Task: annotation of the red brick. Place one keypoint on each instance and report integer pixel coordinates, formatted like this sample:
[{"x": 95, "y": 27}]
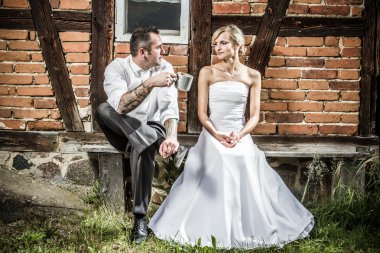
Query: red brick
[
  {"x": 82, "y": 92},
  {"x": 330, "y": 10},
  {"x": 280, "y": 41},
  {"x": 120, "y": 55},
  {"x": 75, "y": 4},
  {"x": 16, "y": 79},
  {"x": 182, "y": 116},
  {"x": 13, "y": 34},
  {"x": 166, "y": 50},
  {"x": 30, "y": 113},
  {"x": 34, "y": 91},
  {"x": 351, "y": 52},
  {"x": 276, "y": 62},
  {"x": 14, "y": 56},
  {"x": 177, "y": 60},
  {"x": 48, "y": 103},
  {"x": 37, "y": 57},
  {"x": 322, "y": 118},
  {"x": 319, "y": 74},
  {"x": 282, "y": 73},
  {"x": 305, "y": 106},
  {"x": 4, "y": 90},
  {"x": 76, "y": 47},
  {"x": 350, "y": 118},
  {"x": 356, "y": 11},
  {"x": 348, "y": 74},
  {"x": 54, "y": 4},
  {"x": 123, "y": 48},
  {"x": 341, "y": 107},
  {"x": 27, "y": 45},
  {"x": 16, "y": 102},
  {"x": 258, "y": 8},
  {"x": 284, "y": 117},
  {"x": 287, "y": 95},
  {"x": 231, "y": 8},
  {"x": 45, "y": 125},
  {"x": 181, "y": 69},
  {"x": 80, "y": 80},
  {"x": 343, "y": 2},
  {"x": 350, "y": 95},
  {"x": 6, "y": 68},
  {"x": 80, "y": 69},
  {"x": 273, "y": 106},
  {"x": 78, "y": 57},
  {"x": 351, "y": 42},
  {"x": 305, "y": 41},
  {"x": 308, "y": 1},
  {"x": 338, "y": 129},
  {"x": 322, "y": 51},
  {"x": 344, "y": 85},
  {"x": 247, "y": 40},
  {"x": 279, "y": 84},
  {"x": 32, "y": 35},
  {"x": 297, "y": 129},
  {"x": 182, "y": 106},
  {"x": 264, "y": 129},
  {"x": 264, "y": 94},
  {"x": 83, "y": 102},
  {"x": 16, "y": 3},
  {"x": 181, "y": 127},
  {"x": 331, "y": 41},
  {"x": 298, "y": 9},
  {"x": 322, "y": 95},
  {"x": 5, "y": 113},
  {"x": 30, "y": 68},
  {"x": 342, "y": 63},
  {"x": 313, "y": 85},
  {"x": 182, "y": 95},
  {"x": 3, "y": 45},
  {"x": 74, "y": 36},
  {"x": 179, "y": 50},
  {"x": 41, "y": 79},
  {"x": 12, "y": 124},
  {"x": 289, "y": 51},
  {"x": 302, "y": 62}
]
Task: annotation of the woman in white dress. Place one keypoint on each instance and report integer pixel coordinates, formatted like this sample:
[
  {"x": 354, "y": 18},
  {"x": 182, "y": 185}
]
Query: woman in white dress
[{"x": 227, "y": 190}]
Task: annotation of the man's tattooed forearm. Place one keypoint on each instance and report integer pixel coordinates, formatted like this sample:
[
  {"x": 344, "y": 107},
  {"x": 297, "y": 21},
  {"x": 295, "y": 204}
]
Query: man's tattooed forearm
[
  {"x": 130, "y": 100},
  {"x": 171, "y": 127}
]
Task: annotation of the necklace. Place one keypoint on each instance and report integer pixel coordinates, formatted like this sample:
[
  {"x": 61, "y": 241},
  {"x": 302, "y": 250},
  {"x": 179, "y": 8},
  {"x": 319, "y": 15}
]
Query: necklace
[{"x": 231, "y": 75}]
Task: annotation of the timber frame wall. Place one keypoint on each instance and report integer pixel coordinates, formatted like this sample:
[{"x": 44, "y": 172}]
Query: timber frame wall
[{"x": 274, "y": 23}]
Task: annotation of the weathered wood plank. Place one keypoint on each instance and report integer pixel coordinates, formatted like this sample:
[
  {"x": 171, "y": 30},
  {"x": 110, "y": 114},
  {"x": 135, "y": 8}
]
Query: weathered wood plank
[
  {"x": 64, "y": 20},
  {"x": 111, "y": 178},
  {"x": 297, "y": 26},
  {"x": 29, "y": 141},
  {"x": 102, "y": 44},
  {"x": 56, "y": 64},
  {"x": 368, "y": 74},
  {"x": 199, "y": 56},
  {"x": 267, "y": 34},
  {"x": 377, "y": 65}
]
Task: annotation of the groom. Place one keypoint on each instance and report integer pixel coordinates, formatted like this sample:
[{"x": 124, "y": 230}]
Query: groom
[{"x": 140, "y": 96}]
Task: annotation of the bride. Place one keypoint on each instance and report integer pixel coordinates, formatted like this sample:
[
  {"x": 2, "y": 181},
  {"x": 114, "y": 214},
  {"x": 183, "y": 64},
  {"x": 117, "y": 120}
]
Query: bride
[{"x": 227, "y": 190}]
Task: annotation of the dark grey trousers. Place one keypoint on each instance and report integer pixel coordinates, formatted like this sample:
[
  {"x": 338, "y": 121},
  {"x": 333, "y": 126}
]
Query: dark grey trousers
[{"x": 125, "y": 132}]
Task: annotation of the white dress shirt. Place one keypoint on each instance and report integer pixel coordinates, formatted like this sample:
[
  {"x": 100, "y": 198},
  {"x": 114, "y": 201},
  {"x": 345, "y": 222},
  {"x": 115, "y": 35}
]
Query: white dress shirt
[{"x": 123, "y": 75}]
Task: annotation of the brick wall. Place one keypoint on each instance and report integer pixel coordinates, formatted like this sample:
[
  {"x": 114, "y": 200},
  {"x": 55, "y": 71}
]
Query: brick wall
[
  {"x": 311, "y": 84},
  {"x": 27, "y": 99}
]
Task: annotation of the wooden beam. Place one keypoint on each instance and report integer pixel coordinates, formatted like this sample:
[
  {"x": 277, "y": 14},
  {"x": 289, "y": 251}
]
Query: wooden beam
[
  {"x": 29, "y": 141},
  {"x": 368, "y": 74},
  {"x": 64, "y": 20},
  {"x": 267, "y": 34},
  {"x": 102, "y": 49},
  {"x": 199, "y": 56},
  {"x": 297, "y": 26},
  {"x": 56, "y": 64},
  {"x": 377, "y": 65}
]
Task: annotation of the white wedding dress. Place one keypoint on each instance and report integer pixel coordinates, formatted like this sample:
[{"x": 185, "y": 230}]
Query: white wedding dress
[{"x": 230, "y": 193}]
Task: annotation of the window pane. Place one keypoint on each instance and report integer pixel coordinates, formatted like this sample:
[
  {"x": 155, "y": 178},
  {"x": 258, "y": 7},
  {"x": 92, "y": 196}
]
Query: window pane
[{"x": 165, "y": 15}]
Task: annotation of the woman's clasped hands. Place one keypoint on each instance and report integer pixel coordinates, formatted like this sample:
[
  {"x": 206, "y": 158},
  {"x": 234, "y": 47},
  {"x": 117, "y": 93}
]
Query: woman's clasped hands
[{"x": 228, "y": 140}]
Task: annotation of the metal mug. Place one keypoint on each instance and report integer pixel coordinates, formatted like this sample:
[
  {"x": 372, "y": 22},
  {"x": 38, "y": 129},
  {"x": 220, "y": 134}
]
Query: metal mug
[{"x": 184, "y": 81}]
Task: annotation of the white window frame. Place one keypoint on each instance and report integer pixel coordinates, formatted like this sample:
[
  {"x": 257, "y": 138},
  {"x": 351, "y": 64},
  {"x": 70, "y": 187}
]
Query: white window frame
[{"x": 121, "y": 34}]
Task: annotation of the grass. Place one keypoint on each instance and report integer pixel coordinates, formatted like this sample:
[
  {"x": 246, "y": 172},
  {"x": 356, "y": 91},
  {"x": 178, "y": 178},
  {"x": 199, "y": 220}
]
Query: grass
[{"x": 348, "y": 223}]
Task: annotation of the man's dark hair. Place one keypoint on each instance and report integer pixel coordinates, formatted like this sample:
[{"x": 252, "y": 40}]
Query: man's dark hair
[{"x": 141, "y": 39}]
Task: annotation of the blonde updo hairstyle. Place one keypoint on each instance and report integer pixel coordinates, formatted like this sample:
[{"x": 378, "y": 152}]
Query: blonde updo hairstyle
[{"x": 235, "y": 34}]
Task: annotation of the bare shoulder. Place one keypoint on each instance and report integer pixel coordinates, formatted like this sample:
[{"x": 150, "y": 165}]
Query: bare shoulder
[
  {"x": 206, "y": 70},
  {"x": 255, "y": 76},
  {"x": 205, "y": 74}
]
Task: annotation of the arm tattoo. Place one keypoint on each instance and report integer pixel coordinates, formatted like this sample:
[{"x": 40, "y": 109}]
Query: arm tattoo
[
  {"x": 171, "y": 128},
  {"x": 131, "y": 99}
]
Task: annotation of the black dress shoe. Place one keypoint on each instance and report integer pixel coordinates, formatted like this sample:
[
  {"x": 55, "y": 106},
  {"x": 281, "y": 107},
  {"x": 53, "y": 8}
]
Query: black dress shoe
[
  {"x": 140, "y": 230},
  {"x": 179, "y": 156}
]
